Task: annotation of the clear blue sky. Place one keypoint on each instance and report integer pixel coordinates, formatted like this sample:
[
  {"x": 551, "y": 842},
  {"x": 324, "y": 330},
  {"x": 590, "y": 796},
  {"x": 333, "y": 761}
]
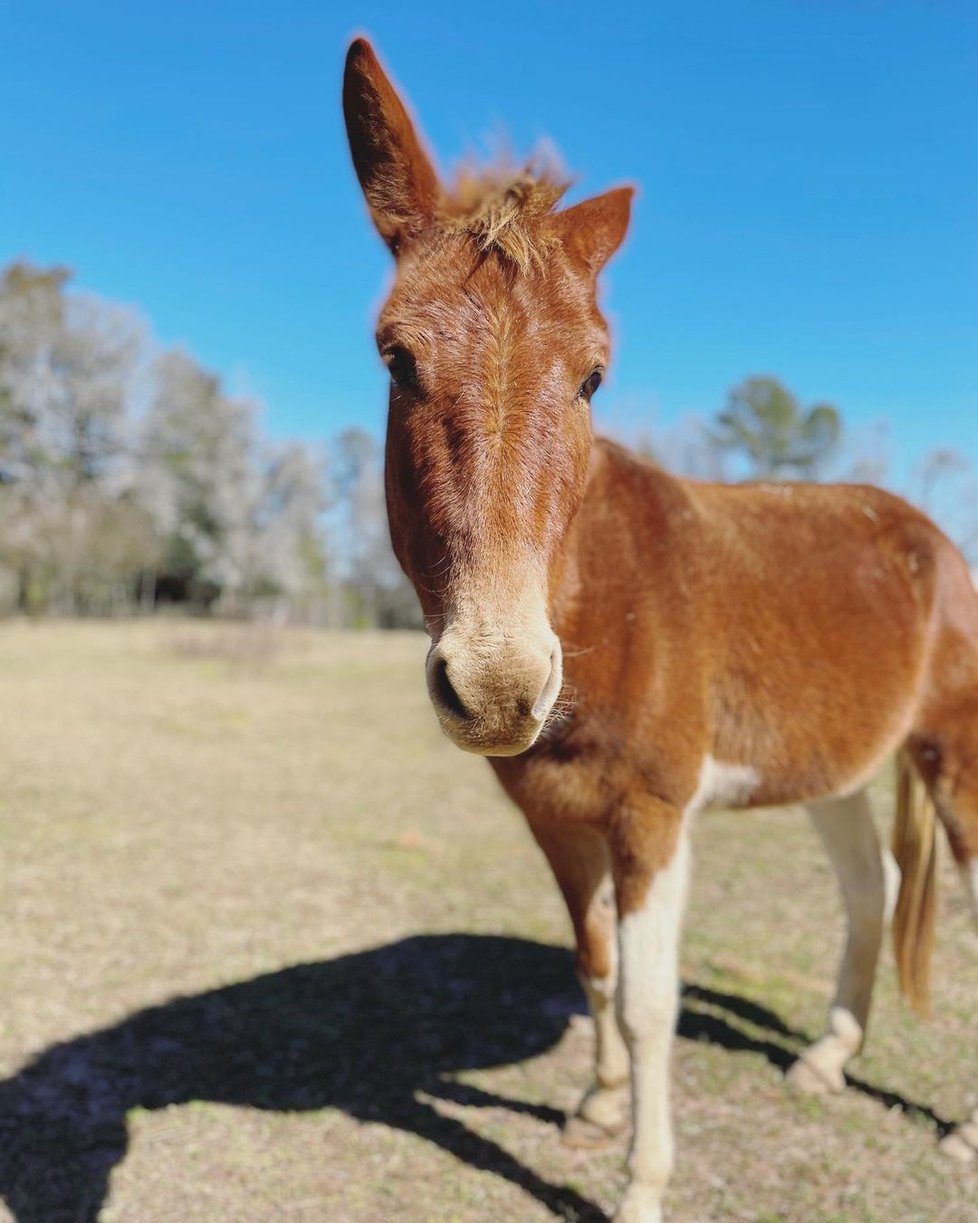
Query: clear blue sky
[{"x": 808, "y": 173}]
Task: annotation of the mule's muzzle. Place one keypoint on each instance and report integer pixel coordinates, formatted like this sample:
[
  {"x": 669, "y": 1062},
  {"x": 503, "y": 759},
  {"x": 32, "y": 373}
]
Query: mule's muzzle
[{"x": 493, "y": 700}]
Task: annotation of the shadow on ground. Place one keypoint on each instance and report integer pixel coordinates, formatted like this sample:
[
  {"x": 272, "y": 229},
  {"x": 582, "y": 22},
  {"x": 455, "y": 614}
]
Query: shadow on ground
[{"x": 364, "y": 1033}]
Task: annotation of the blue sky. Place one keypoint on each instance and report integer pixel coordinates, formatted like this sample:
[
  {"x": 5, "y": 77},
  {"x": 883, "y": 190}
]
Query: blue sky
[{"x": 808, "y": 173}]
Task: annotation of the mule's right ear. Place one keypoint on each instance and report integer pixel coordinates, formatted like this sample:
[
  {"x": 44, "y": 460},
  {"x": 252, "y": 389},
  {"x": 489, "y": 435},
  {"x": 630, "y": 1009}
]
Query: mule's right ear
[
  {"x": 397, "y": 178},
  {"x": 594, "y": 229}
]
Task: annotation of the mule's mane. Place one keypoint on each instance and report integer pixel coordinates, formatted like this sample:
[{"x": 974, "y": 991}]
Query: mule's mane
[{"x": 505, "y": 209}]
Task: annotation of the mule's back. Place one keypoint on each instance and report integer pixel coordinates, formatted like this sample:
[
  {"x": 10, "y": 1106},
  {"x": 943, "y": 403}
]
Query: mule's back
[{"x": 796, "y": 622}]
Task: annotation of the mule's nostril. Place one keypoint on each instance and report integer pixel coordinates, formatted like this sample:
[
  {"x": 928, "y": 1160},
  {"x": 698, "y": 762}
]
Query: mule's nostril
[{"x": 446, "y": 694}]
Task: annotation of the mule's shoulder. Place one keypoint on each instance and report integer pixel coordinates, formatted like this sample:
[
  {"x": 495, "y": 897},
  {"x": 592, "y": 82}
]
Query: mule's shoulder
[
  {"x": 616, "y": 457},
  {"x": 621, "y": 473}
]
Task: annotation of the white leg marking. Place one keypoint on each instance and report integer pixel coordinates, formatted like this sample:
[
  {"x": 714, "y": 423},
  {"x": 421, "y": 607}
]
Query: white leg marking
[
  {"x": 649, "y": 1003},
  {"x": 891, "y": 881},
  {"x": 611, "y": 1065},
  {"x": 611, "y": 1053},
  {"x": 962, "y": 1142},
  {"x": 605, "y": 1104},
  {"x": 604, "y": 1109},
  {"x": 847, "y": 830}
]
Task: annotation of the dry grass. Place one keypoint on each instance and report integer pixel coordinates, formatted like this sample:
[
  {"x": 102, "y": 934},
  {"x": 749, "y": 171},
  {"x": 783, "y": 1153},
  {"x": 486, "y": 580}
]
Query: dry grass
[
  {"x": 273, "y": 949},
  {"x": 248, "y": 645}
]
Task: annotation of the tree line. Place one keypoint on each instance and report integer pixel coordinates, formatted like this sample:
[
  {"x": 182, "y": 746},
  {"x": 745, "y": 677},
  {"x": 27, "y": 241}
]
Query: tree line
[
  {"x": 765, "y": 432},
  {"x": 130, "y": 479}
]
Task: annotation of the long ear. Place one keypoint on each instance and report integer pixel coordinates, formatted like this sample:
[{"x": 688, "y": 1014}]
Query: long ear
[
  {"x": 394, "y": 171},
  {"x": 593, "y": 230}
]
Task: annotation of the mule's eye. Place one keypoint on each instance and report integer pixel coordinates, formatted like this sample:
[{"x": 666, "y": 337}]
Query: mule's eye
[
  {"x": 401, "y": 366},
  {"x": 590, "y": 385}
]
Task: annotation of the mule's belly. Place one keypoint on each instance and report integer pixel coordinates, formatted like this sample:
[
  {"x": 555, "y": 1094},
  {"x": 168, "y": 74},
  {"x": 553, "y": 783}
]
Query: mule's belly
[{"x": 819, "y": 725}]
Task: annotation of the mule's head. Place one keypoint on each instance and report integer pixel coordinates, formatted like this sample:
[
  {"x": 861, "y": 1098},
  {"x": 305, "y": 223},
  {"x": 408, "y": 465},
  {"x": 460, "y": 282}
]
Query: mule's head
[{"x": 495, "y": 344}]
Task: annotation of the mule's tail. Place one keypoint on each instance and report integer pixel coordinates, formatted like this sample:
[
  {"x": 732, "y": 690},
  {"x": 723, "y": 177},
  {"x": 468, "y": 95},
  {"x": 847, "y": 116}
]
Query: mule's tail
[{"x": 915, "y": 852}]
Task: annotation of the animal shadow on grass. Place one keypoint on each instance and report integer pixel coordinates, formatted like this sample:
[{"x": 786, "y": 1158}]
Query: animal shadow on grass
[{"x": 365, "y": 1033}]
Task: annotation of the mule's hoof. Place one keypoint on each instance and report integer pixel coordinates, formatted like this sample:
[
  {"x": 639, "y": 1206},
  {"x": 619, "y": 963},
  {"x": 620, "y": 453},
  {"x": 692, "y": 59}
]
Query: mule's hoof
[
  {"x": 641, "y": 1204},
  {"x": 958, "y": 1147},
  {"x": 962, "y": 1143},
  {"x": 606, "y": 1106},
  {"x": 815, "y": 1080},
  {"x": 585, "y": 1135},
  {"x": 601, "y": 1116}
]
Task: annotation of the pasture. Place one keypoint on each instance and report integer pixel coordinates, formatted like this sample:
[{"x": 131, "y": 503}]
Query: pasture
[{"x": 273, "y": 948}]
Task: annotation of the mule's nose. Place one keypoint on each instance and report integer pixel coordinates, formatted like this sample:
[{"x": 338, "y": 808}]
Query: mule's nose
[{"x": 493, "y": 702}]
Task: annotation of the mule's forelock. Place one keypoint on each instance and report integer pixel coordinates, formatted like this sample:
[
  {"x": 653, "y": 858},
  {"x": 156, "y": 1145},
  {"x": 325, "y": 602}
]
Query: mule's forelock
[
  {"x": 515, "y": 214},
  {"x": 508, "y": 211}
]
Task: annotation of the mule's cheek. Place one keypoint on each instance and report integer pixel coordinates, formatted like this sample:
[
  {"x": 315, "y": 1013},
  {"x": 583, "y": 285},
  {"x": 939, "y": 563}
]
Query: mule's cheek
[{"x": 421, "y": 561}]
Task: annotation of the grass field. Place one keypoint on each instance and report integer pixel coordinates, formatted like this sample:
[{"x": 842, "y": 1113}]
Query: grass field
[{"x": 273, "y": 949}]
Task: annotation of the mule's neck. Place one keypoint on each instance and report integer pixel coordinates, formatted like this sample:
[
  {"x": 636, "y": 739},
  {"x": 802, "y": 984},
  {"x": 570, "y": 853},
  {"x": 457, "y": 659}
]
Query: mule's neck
[{"x": 632, "y": 517}]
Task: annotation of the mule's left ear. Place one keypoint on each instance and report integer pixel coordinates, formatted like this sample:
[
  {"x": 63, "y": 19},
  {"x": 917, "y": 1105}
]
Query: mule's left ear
[
  {"x": 593, "y": 230},
  {"x": 396, "y": 175}
]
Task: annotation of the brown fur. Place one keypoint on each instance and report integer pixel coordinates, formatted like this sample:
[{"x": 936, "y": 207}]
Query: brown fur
[{"x": 915, "y": 851}]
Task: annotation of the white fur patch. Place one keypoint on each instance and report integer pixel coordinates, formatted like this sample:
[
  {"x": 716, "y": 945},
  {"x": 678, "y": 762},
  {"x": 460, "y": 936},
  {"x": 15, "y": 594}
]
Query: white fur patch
[
  {"x": 649, "y": 1001},
  {"x": 723, "y": 785},
  {"x": 865, "y": 877},
  {"x": 649, "y": 937},
  {"x": 891, "y": 881}
]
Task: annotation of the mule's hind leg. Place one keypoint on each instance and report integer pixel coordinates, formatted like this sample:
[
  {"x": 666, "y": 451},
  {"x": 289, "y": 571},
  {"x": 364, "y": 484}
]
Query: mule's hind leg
[
  {"x": 578, "y": 858},
  {"x": 959, "y": 814},
  {"x": 849, "y": 835},
  {"x": 969, "y": 877},
  {"x": 957, "y": 804},
  {"x": 948, "y": 761}
]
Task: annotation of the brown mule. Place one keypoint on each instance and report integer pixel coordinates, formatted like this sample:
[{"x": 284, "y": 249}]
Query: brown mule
[{"x": 628, "y": 647}]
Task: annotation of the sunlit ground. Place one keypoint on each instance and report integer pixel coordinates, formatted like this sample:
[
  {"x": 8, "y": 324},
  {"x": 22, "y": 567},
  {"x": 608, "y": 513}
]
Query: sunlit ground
[{"x": 241, "y": 876}]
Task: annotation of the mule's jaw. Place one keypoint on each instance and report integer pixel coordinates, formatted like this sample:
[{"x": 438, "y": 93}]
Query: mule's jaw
[{"x": 512, "y": 748}]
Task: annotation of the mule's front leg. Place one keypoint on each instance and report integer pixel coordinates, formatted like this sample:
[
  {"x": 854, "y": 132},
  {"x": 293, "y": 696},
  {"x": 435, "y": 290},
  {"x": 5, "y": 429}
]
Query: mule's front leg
[
  {"x": 604, "y": 1109},
  {"x": 650, "y": 861},
  {"x": 578, "y": 857}
]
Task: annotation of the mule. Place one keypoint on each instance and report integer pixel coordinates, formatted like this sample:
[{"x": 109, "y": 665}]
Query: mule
[{"x": 629, "y": 648}]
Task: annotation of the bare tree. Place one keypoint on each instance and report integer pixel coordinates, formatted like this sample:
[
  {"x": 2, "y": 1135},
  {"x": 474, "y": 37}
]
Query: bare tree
[
  {"x": 197, "y": 478},
  {"x": 291, "y": 560},
  {"x": 65, "y": 366},
  {"x": 31, "y": 318},
  {"x": 379, "y": 593},
  {"x": 946, "y": 486}
]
